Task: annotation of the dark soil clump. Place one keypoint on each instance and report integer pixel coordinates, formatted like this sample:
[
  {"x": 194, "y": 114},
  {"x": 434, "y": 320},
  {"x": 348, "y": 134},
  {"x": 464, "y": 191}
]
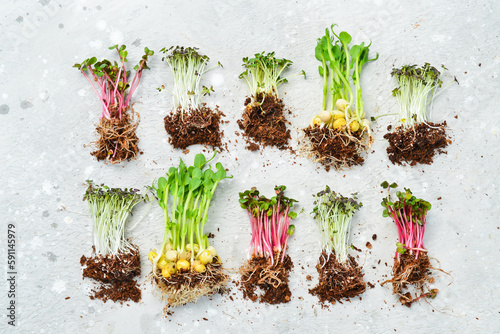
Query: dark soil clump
[
  {"x": 272, "y": 281},
  {"x": 182, "y": 288},
  {"x": 264, "y": 123},
  {"x": 198, "y": 126},
  {"x": 407, "y": 271},
  {"x": 417, "y": 145},
  {"x": 338, "y": 281},
  {"x": 117, "y": 138},
  {"x": 334, "y": 148},
  {"x": 114, "y": 275}
]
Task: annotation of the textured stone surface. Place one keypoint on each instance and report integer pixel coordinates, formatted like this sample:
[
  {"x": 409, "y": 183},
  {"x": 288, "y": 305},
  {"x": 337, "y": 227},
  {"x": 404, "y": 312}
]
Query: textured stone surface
[{"x": 48, "y": 112}]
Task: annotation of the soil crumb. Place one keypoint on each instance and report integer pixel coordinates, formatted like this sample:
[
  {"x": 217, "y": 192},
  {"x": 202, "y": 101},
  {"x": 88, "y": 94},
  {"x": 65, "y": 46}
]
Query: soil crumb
[
  {"x": 260, "y": 281},
  {"x": 263, "y": 123},
  {"x": 114, "y": 275},
  {"x": 337, "y": 281},
  {"x": 417, "y": 145},
  {"x": 197, "y": 126}
]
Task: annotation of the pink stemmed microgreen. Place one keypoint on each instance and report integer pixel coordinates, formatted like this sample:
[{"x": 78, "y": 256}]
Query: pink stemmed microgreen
[
  {"x": 270, "y": 222},
  {"x": 110, "y": 81},
  {"x": 409, "y": 213}
]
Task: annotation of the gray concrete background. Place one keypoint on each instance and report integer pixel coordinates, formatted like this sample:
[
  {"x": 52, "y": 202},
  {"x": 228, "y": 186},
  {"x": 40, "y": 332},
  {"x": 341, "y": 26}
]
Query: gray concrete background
[{"x": 49, "y": 111}]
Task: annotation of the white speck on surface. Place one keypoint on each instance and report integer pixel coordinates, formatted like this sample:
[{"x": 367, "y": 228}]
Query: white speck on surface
[
  {"x": 116, "y": 37},
  {"x": 5, "y": 95},
  {"x": 68, "y": 220},
  {"x": 101, "y": 25},
  {"x": 97, "y": 44},
  {"x": 88, "y": 171},
  {"x": 36, "y": 242},
  {"x": 212, "y": 311},
  {"x": 47, "y": 187},
  {"x": 217, "y": 79},
  {"x": 82, "y": 92},
  {"x": 59, "y": 286}
]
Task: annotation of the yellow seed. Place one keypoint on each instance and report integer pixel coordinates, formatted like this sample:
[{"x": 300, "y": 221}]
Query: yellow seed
[
  {"x": 168, "y": 270},
  {"x": 354, "y": 125},
  {"x": 152, "y": 255},
  {"x": 338, "y": 114},
  {"x": 198, "y": 267},
  {"x": 206, "y": 257},
  {"x": 316, "y": 121},
  {"x": 195, "y": 246},
  {"x": 341, "y": 104},
  {"x": 183, "y": 265},
  {"x": 171, "y": 255},
  {"x": 185, "y": 256},
  {"x": 339, "y": 123},
  {"x": 325, "y": 116},
  {"x": 212, "y": 251},
  {"x": 162, "y": 262}
]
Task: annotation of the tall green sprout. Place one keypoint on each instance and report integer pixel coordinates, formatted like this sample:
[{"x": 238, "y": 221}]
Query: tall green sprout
[
  {"x": 340, "y": 68},
  {"x": 184, "y": 196},
  {"x": 333, "y": 213},
  {"x": 110, "y": 208}
]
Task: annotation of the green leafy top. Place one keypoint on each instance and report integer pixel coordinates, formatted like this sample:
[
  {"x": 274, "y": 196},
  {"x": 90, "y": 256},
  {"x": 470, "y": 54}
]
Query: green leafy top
[
  {"x": 258, "y": 204},
  {"x": 334, "y": 213},
  {"x": 417, "y": 88},
  {"x": 416, "y": 207},
  {"x": 263, "y": 73}
]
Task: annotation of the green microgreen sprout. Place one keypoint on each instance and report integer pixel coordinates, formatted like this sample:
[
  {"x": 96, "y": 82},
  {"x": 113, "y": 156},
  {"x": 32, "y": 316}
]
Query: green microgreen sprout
[
  {"x": 263, "y": 75},
  {"x": 409, "y": 213},
  {"x": 334, "y": 213},
  {"x": 188, "y": 67},
  {"x": 110, "y": 209},
  {"x": 416, "y": 91},
  {"x": 340, "y": 68},
  {"x": 184, "y": 195},
  {"x": 270, "y": 221}
]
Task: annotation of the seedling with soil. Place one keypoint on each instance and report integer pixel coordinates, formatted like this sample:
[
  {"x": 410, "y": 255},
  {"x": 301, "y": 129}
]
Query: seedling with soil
[
  {"x": 269, "y": 266},
  {"x": 340, "y": 277},
  {"x": 416, "y": 139},
  {"x": 263, "y": 121},
  {"x": 191, "y": 121},
  {"x": 186, "y": 266},
  {"x": 411, "y": 262},
  {"x": 339, "y": 135},
  {"x": 115, "y": 262},
  {"x": 110, "y": 80}
]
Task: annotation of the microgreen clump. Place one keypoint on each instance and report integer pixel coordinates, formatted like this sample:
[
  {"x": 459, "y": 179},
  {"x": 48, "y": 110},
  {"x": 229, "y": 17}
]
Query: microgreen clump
[
  {"x": 263, "y": 75},
  {"x": 340, "y": 68},
  {"x": 340, "y": 276},
  {"x": 270, "y": 220},
  {"x": 334, "y": 213},
  {"x": 411, "y": 262},
  {"x": 409, "y": 214},
  {"x": 188, "y": 67},
  {"x": 416, "y": 91},
  {"x": 339, "y": 135},
  {"x": 191, "y": 122},
  {"x": 416, "y": 139},
  {"x": 111, "y": 82},
  {"x": 185, "y": 195},
  {"x": 110, "y": 209}
]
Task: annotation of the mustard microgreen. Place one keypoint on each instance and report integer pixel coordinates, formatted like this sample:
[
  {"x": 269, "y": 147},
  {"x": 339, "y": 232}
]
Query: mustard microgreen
[
  {"x": 333, "y": 213},
  {"x": 110, "y": 208}
]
